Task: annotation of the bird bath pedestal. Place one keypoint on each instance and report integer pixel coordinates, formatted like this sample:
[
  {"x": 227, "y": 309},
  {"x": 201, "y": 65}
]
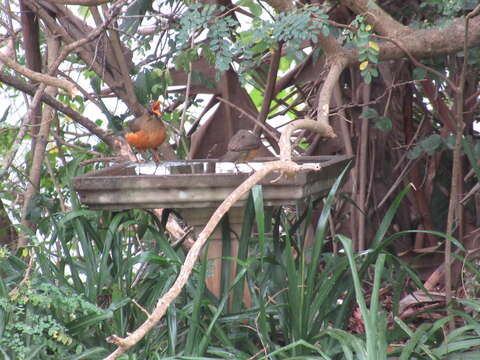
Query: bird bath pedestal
[{"x": 195, "y": 188}]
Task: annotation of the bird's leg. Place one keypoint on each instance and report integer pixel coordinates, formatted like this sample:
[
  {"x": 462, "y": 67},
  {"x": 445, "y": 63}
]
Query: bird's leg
[
  {"x": 142, "y": 156},
  {"x": 251, "y": 168},
  {"x": 156, "y": 156}
]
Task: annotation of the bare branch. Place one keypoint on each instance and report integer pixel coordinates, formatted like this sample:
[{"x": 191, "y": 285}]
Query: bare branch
[
  {"x": 338, "y": 64},
  {"x": 53, "y": 45}
]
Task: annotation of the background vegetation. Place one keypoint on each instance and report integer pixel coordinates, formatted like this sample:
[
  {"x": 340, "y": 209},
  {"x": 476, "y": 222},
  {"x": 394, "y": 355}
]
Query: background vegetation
[{"x": 396, "y": 81}]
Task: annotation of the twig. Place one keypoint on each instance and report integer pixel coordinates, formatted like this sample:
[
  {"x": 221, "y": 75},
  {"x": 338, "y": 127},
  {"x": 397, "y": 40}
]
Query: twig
[
  {"x": 142, "y": 309},
  {"x": 133, "y": 104},
  {"x": 26, "y": 277},
  {"x": 362, "y": 175},
  {"x": 454, "y": 206},
  {"x": 187, "y": 100}
]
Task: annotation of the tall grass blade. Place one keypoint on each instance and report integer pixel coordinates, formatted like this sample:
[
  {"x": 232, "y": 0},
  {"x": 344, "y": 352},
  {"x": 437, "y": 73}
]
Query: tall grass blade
[
  {"x": 243, "y": 247},
  {"x": 370, "y": 330},
  {"x": 257, "y": 195},
  {"x": 206, "y": 337},
  {"x": 312, "y": 268},
  {"x": 193, "y": 334},
  {"x": 227, "y": 251}
]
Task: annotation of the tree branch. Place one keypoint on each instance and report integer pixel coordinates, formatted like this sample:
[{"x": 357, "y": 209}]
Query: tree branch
[
  {"x": 337, "y": 65},
  {"x": 53, "y": 45}
]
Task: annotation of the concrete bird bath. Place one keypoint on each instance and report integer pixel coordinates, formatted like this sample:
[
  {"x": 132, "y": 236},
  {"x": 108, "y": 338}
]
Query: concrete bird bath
[{"x": 195, "y": 188}]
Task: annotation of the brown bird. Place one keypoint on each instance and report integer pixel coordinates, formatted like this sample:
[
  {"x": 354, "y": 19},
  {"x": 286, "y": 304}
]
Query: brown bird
[
  {"x": 242, "y": 147},
  {"x": 147, "y": 131}
]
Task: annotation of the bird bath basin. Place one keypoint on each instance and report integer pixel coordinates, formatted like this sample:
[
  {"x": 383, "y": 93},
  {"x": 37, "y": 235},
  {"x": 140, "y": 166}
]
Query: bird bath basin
[
  {"x": 198, "y": 183},
  {"x": 195, "y": 188}
]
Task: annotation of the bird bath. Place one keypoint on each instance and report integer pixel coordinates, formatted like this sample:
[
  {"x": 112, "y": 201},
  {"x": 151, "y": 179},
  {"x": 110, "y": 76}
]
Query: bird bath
[{"x": 195, "y": 188}]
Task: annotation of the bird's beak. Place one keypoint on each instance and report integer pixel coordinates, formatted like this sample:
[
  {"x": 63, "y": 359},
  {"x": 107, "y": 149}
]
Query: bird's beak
[{"x": 155, "y": 108}]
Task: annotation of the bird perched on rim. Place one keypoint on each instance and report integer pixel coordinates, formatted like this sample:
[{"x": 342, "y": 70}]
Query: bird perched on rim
[
  {"x": 242, "y": 147},
  {"x": 147, "y": 131}
]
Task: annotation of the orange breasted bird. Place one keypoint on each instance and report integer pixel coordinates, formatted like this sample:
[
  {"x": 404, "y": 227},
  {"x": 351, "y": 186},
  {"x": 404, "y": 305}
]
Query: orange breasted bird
[
  {"x": 147, "y": 131},
  {"x": 242, "y": 147}
]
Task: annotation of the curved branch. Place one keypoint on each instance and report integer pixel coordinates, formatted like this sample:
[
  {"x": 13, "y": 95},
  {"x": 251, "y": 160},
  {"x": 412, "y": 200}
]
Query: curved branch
[
  {"x": 338, "y": 64},
  {"x": 324, "y": 129}
]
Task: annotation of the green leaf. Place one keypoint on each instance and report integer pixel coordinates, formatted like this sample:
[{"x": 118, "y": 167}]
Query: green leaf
[
  {"x": 373, "y": 71},
  {"x": 431, "y": 143},
  {"x": 419, "y": 73},
  {"x": 415, "y": 152},
  {"x": 253, "y": 7},
  {"x": 257, "y": 194},
  {"x": 141, "y": 87},
  {"x": 134, "y": 15},
  {"x": 325, "y": 30},
  {"x": 383, "y": 123},
  {"x": 367, "y": 77},
  {"x": 369, "y": 113}
]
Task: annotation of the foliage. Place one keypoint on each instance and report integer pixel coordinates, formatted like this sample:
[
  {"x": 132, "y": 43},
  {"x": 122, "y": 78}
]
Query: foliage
[
  {"x": 96, "y": 272},
  {"x": 84, "y": 292},
  {"x": 291, "y": 28},
  {"x": 36, "y": 321},
  {"x": 367, "y": 48}
]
